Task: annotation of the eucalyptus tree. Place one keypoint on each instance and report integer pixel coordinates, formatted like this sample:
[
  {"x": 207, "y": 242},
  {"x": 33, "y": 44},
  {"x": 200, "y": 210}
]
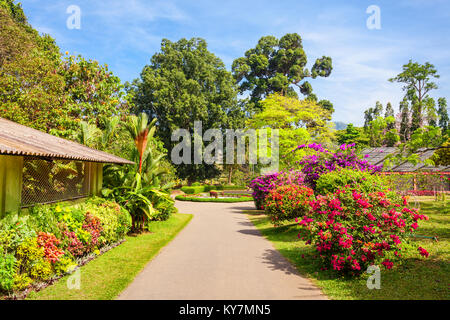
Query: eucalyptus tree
[{"x": 418, "y": 82}]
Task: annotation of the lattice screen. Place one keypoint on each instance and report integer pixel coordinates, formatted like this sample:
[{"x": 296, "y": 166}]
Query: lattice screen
[{"x": 56, "y": 180}]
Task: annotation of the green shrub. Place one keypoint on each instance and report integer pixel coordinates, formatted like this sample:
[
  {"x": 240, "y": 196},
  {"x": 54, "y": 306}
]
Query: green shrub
[
  {"x": 165, "y": 209},
  {"x": 7, "y": 271},
  {"x": 115, "y": 222},
  {"x": 206, "y": 188},
  {"x": 365, "y": 181},
  {"x": 193, "y": 190},
  {"x": 226, "y": 200},
  {"x": 31, "y": 260}
]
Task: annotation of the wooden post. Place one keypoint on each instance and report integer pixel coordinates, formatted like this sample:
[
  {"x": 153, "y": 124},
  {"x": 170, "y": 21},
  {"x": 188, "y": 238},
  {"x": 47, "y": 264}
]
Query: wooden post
[
  {"x": 95, "y": 176},
  {"x": 11, "y": 172}
]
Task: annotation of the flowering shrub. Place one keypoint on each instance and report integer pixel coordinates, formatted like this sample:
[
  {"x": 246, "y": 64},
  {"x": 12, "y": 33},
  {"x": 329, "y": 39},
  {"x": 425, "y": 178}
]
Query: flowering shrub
[
  {"x": 351, "y": 230},
  {"x": 49, "y": 243},
  {"x": 262, "y": 185},
  {"x": 93, "y": 226},
  {"x": 288, "y": 202},
  {"x": 73, "y": 245},
  {"x": 313, "y": 166},
  {"x": 51, "y": 238}
]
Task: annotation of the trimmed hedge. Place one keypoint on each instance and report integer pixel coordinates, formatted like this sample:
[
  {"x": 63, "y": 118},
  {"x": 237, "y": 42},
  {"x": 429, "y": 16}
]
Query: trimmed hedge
[
  {"x": 226, "y": 200},
  {"x": 199, "y": 189}
]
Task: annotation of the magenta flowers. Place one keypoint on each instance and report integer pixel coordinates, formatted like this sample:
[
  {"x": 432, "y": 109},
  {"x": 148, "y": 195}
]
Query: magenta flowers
[
  {"x": 313, "y": 166},
  {"x": 263, "y": 185}
]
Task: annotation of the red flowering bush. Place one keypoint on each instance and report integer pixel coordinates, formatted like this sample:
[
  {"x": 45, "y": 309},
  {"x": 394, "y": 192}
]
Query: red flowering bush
[
  {"x": 288, "y": 202},
  {"x": 262, "y": 185},
  {"x": 73, "y": 244},
  {"x": 94, "y": 227},
  {"x": 49, "y": 243},
  {"x": 351, "y": 230}
]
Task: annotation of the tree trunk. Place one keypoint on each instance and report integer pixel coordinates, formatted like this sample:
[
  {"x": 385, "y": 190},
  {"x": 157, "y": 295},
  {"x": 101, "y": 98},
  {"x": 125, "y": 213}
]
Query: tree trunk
[{"x": 230, "y": 173}]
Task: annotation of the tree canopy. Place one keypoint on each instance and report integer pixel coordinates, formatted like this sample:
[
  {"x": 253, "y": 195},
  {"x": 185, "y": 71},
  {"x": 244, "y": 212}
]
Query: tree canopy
[
  {"x": 41, "y": 89},
  {"x": 275, "y": 65},
  {"x": 186, "y": 83}
]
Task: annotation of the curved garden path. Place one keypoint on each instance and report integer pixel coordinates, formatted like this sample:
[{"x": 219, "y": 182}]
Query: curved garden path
[{"x": 219, "y": 255}]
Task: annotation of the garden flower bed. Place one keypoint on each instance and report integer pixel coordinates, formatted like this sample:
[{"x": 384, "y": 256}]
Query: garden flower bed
[{"x": 52, "y": 240}]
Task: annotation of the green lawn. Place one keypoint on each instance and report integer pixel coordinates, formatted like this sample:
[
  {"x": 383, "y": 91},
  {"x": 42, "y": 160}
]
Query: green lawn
[
  {"x": 417, "y": 278},
  {"x": 108, "y": 275}
]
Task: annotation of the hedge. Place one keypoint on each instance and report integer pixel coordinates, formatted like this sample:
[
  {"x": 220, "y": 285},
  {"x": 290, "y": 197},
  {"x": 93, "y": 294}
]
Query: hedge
[
  {"x": 227, "y": 200},
  {"x": 207, "y": 188}
]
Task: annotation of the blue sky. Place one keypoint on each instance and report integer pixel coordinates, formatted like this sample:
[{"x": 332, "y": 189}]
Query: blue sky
[{"x": 125, "y": 34}]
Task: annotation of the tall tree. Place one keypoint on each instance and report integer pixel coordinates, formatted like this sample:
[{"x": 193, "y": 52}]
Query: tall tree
[
  {"x": 186, "y": 83},
  {"x": 417, "y": 79},
  {"x": 274, "y": 66},
  {"x": 389, "y": 113},
  {"x": 141, "y": 130},
  {"x": 404, "y": 129},
  {"x": 368, "y": 117},
  {"x": 352, "y": 134},
  {"x": 443, "y": 114},
  {"x": 431, "y": 116},
  {"x": 378, "y": 110}
]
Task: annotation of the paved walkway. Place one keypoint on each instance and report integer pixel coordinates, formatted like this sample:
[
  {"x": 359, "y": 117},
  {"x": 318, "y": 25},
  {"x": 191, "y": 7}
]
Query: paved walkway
[{"x": 219, "y": 255}]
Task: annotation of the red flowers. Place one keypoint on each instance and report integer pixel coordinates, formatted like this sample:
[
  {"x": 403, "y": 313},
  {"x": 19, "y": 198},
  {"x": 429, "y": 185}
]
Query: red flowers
[
  {"x": 49, "y": 242},
  {"x": 388, "y": 264},
  {"x": 352, "y": 230},
  {"x": 423, "y": 252},
  {"x": 288, "y": 202}
]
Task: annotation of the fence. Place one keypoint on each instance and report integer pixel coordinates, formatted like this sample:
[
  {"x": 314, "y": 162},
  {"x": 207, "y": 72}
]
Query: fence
[
  {"x": 46, "y": 181},
  {"x": 420, "y": 183}
]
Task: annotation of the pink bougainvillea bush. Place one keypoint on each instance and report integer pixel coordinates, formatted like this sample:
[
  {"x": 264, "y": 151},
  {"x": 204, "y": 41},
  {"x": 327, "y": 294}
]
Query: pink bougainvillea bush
[
  {"x": 288, "y": 202},
  {"x": 351, "y": 231},
  {"x": 262, "y": 185}
]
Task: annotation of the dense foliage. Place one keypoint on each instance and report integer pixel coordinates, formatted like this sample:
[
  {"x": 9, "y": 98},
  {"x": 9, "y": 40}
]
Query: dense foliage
[
  {"x": 50, "y": 240},
  {"x": 43, "y": 90},
  {"x": 274, "y": 65},
  {"x": 186, "y": 83}
]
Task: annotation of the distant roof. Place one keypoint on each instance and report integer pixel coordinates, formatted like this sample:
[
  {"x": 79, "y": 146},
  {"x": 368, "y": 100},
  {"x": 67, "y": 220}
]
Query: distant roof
[
  {"x": 19, "y": 140},
  {"x": 376, "y": 156}
]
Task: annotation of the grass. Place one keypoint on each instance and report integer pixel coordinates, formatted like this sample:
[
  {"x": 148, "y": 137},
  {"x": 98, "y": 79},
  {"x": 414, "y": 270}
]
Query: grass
[
  {"x": 227, "y": 200},
  {"x": 108, "y": 275},
  {"x": 416, "y": 278}
]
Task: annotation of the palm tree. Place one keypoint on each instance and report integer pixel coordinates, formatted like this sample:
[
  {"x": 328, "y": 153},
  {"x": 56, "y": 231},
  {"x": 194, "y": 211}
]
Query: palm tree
[
  {"x": 141, "y": 130},
  {"x": 87, "y": 133},
  {"x": 108, "y": 133}
]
